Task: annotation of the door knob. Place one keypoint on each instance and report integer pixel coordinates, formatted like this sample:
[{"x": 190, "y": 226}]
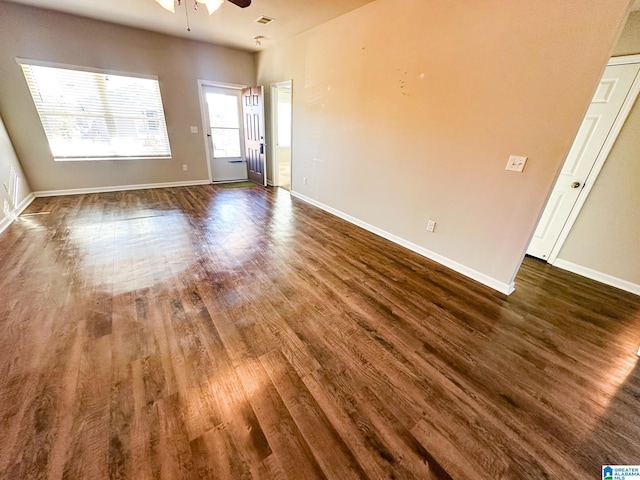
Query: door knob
[{"x": 575, "y": 184}]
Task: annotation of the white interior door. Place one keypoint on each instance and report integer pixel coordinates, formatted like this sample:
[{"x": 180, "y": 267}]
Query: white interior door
[
  {"x": 225, "y": 136},
  {"x": 612, "y": 91}
]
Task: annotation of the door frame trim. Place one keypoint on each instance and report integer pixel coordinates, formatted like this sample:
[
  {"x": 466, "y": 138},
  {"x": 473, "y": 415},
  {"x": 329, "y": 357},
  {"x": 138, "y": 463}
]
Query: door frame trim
[
  {"x": 275, "y": 172},
  {"x": 203, "y": 119},
  {"x": 590, "y": 181}
]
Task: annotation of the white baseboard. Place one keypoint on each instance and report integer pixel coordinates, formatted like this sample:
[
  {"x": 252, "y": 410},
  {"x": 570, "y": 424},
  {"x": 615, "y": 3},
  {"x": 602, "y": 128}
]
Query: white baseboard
[
  {"x": 119, "y": 188},
  {"x": 506, "y": 288},
  {"x": 16, "y": 213},
  {"x": 598, "y": 276},
  {"x": 25, "y": 203},
  {"x": 218, "y": 182},
  {"x": 5, "y": 222}
]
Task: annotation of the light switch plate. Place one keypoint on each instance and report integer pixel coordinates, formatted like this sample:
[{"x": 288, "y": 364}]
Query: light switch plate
[
  {"x": 194, "y": 129},
  {"x": 431, "y": 225},
  {"x": 516, "y": 163}
]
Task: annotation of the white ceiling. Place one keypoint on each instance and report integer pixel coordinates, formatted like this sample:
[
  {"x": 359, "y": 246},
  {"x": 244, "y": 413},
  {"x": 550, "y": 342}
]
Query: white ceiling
[{"x": 230, "y": 25}]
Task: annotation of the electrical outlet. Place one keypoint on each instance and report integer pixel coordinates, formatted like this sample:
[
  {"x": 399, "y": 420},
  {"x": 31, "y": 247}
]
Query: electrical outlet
[
  {"x": 305, "y": 180},
  {"x": 185, "y": 167},
  {"x": 516, "y": 164},
  {"x": 431, "y": 225},
  {"x": 194, "y": 129}
]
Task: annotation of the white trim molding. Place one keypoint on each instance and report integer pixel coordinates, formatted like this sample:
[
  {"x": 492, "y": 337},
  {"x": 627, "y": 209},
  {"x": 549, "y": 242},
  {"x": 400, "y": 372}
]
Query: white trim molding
[
  {"x": 118, "y": 188},
  {"x": 502, "y": 287},
  {"x": 67, "y": 66},
  {"x": 598, "y": 276},
  {"x": 4, "y": 224},
  {"x": 624, "y": 60},
  {"x": 214, "y": 83}
]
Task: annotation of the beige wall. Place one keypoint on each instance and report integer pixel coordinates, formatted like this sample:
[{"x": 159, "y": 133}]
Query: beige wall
[
  {"x": 629, "y": 41},
  {"x": 44, "y": 35},
  {"x": 13, "y": 195},
  {"x": 606, "y": 235},
  {"x": 406, "y": 110}
]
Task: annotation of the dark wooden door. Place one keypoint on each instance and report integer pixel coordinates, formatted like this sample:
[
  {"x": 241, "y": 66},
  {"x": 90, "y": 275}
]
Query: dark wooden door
[{"x": 253, "y": 113}]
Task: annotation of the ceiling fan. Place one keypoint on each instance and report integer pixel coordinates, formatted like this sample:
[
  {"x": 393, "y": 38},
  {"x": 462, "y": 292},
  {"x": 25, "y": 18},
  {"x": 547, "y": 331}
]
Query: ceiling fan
[{"x": 212, "y": 6}]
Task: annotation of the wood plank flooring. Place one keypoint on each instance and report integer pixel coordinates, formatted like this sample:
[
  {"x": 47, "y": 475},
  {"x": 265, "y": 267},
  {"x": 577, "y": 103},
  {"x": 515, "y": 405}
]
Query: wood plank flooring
[{"x": 205, "y": 332}]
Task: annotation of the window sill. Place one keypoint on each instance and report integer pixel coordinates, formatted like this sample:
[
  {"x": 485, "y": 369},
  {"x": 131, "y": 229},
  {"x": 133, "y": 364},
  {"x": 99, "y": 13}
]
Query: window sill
[{"x": 100, "y": 159}]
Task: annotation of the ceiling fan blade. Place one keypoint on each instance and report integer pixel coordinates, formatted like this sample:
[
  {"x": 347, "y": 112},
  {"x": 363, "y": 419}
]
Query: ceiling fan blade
[{"x": 241, "y": 3}]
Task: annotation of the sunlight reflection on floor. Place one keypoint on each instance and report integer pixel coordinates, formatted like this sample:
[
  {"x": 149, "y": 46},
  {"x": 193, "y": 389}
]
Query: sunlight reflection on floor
[{"x": 133, "y": 253}]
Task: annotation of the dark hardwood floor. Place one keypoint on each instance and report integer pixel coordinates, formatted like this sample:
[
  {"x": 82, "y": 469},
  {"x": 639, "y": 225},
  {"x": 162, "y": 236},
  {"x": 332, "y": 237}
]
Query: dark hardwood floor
[{"x": 206, "y": 332}]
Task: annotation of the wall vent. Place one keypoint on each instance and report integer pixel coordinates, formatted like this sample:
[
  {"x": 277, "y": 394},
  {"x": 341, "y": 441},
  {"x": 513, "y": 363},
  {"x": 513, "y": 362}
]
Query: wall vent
[{"x": 263, "y": 20}]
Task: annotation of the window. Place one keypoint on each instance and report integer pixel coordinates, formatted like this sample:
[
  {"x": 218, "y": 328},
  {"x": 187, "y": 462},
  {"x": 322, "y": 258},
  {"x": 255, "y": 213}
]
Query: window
[
  {"x": 91, "y": 115},
  {"x": 224, "y": 120}
]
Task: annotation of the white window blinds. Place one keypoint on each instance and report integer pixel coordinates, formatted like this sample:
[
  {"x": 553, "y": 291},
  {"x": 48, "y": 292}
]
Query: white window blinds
[{"x": 93, "y": 116}]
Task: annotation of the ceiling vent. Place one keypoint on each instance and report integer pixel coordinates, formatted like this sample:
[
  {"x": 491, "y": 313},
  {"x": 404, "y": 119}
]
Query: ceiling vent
[{"x": 265, "y": 20}]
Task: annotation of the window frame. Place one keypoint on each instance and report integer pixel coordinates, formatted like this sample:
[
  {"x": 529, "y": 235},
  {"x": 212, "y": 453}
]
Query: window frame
[{"x": 38, "y": 63}]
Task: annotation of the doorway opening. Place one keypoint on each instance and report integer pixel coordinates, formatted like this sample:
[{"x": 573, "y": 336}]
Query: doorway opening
[
  {"x": 281, "y": 108},
  {"x": 562, "y": 238},
  {"x": 607, "y": 113},
  {"x": 223, "y": 131}
]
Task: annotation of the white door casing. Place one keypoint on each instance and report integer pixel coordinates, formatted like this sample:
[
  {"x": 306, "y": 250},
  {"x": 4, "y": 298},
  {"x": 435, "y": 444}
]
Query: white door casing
[{"x": 609, "y": 107}]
